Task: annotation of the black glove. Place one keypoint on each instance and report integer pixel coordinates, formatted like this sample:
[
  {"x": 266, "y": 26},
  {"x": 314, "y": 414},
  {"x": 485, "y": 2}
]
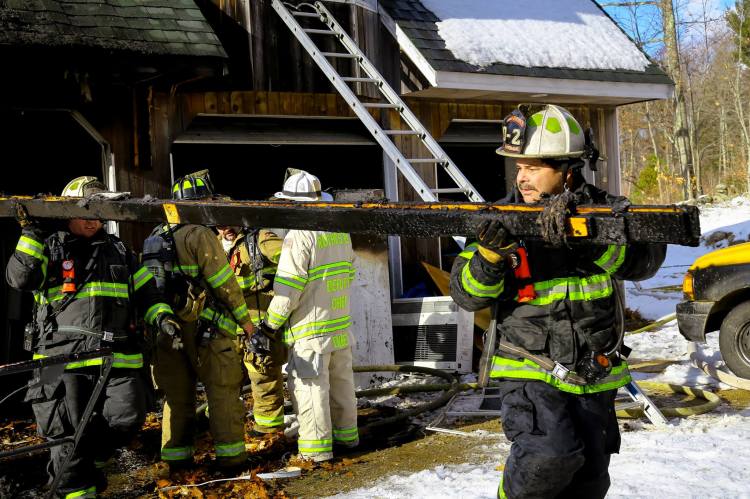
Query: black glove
[
  {"x": 260, "y": 341},
  {"x": 169, "y": 332},
  {"x": 594, "y": 366},
  {"x": 620, "y": 205},
  {"x": 493, "y": 235},
  {"x": 22, "y": 216}
]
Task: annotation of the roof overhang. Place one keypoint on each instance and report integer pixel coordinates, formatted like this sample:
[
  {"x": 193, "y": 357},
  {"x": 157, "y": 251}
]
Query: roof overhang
[
  {"x": 245, "y": 129},
  {"x": 471, "y": 86},
  {"x": 477, "y": 86}
]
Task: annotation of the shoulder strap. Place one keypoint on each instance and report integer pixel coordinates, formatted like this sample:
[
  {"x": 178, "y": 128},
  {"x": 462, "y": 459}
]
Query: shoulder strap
[{"x": 89, "y": 269}]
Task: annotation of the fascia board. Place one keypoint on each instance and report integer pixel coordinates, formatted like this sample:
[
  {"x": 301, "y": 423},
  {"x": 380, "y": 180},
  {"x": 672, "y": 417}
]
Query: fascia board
[
  {"x": 408, "y": 47},
  {"x": 552, "y": 86}
]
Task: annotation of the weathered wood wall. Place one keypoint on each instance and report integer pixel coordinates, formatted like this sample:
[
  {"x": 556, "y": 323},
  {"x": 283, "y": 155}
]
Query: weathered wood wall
[
  {"x": 435, "y": 115},
  {"x": 264, "y": 55}
]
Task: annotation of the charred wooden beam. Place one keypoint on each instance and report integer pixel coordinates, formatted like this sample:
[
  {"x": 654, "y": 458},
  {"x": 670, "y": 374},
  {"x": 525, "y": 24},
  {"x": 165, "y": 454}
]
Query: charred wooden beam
[{"x": 589, "y": 223}]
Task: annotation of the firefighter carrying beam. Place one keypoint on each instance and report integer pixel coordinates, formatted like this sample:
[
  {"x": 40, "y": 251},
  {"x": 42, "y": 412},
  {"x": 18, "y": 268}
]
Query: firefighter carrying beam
[
  {"x": 87, "y": 288},
  {"x": 558, "y": 357}
]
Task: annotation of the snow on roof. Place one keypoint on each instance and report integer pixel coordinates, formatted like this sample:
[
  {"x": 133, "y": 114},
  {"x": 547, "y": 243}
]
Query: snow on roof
[{"x": 535, "y": 33}]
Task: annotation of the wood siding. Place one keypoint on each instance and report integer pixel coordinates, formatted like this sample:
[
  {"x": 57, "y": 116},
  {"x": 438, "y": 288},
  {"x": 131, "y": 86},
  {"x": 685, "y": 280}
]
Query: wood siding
[
  {"x": 435, "y": 115},
  {"x": 264, "y": 55}
]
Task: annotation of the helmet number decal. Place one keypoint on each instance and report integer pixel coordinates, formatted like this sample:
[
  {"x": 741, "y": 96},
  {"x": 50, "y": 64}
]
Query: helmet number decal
[
  {"x": 514, "y": 128},
  {"x": 515, "y": 140}
]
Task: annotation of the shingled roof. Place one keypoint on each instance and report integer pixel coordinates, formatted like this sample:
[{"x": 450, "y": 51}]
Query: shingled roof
[
  {"x": 147, "y": 27},
  {"x": 420, "y": 26}
]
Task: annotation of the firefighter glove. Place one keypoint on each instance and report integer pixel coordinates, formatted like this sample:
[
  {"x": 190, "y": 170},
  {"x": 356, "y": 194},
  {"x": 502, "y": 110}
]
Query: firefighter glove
[
  {"x": 594, "y": 366},
  {"x": 169, "y": 332},
  {"x": 22, "y": 216},
  {"x": 492, "y": 234},
  {"x": 260, "y": 341},
  {"x": 494, "y": 246}
]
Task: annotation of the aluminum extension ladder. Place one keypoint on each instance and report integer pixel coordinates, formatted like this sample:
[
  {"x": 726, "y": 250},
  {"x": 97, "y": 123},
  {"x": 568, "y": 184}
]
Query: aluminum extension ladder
[{"x": 318, "y": 12}]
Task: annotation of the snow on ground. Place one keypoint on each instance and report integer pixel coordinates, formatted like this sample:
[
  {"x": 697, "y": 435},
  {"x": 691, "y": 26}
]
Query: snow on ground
[
  {"x": 706, "y": 456},
  {"x": 538, "y": 33},
  {"x": 732, "y": 216}
]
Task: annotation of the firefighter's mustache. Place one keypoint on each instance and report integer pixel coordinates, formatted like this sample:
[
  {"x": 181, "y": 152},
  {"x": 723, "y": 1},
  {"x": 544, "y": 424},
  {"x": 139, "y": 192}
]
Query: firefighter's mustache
[{"x": 526, "y": 187}]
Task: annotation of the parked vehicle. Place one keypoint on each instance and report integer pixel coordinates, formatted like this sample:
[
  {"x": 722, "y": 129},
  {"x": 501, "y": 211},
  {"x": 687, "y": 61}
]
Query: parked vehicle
[{"x": 717, "y": 294}]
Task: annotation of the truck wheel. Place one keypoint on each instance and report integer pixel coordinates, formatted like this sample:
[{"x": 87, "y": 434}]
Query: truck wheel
[{"x": 734, "y": 340}]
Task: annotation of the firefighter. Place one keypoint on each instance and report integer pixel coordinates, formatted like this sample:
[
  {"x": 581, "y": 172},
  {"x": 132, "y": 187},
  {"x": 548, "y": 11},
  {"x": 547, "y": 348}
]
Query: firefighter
[
  {"x": 557, "y": 359},
  {"x": 87, "y": 288},
  {"x": 253, "y": 256},
  {"x": 310, "y": 307},
  {"x": 192, "y": 267}
]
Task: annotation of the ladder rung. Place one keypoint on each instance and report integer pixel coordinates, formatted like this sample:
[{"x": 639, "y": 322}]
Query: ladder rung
[
  {"x": 305, "y": 14},
  {"x": 338, "y": 54},
  {"x": 381, "y": 105},
  {"x": 425, "y": 160},
  {"x": 401, "y": 132},
  {"x": 359, "y": 79},
  {"x": 450, "y": 190},
  {"x": 320, "y": 31}
]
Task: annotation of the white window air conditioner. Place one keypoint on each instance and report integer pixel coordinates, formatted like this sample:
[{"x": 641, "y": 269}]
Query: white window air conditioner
[{"x": 432, "y": 332}]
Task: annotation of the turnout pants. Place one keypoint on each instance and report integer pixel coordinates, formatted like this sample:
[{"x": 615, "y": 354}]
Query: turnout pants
[
  {"x": 322, "y": 386},
  {"x": 58, "y": 408},
  {"x": 214, "y": 360},
  {"x": 267, "y": 384},
  {"x": 561, "y": 442}
]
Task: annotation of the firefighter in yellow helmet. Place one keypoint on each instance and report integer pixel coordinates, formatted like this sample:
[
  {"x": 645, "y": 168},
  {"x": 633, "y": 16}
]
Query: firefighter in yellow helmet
[
  {"x": 89, "y": 293},
  {"x": 193, "y": 270},
  {"x": 253, "y": 256}
]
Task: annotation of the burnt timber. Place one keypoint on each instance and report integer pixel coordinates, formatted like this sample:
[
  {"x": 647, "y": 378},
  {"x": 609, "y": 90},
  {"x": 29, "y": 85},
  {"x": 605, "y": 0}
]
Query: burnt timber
[{"x": 654, "y": 224}]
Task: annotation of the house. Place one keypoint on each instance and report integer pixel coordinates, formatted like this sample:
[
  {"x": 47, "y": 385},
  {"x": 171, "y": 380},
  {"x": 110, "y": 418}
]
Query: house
[
  {"x": 77, "y": 91},
  {"x": 175, "y": 86}
]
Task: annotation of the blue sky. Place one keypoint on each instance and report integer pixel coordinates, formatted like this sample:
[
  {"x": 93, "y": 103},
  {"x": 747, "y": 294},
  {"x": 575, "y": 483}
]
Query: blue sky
[{"x": 646, "y": 25}]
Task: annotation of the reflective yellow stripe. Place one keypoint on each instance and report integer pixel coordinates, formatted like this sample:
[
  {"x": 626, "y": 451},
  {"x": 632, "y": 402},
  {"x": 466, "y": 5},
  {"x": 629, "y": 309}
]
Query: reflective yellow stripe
[
  {"x": 221, "y": 321},
  {"x": 318, "y": 328},
  {"x": 526, "y": 369},
  {"x": 176, "y": 453},
  {"x": 275, "y": 320},
  {"x": 346, "y": 434},
  {"x": 120, "y": 360},
  {"x": 191, "y": 270},
  {"x": 263, "y": 421},
  {"x": 293, "y": 281},
  {"x": 82, "y": 493},
  {"x": 476, "y": 288},
  {"x": 330, "y": 269},
  {"x": 574, "y": 288},
  {"x": 30, "y": 247},
  {"x": 612, "y": 259},
  {"x": 315, "y": 445},
  {"x": 220, "y": 277},
  {"x": 154, "y": 310},
  {"x": 230, "y": 450},
  {"x": 94, "y": 288},
  {"x": 141, "y": 277},
  {"x": 469, "y": 251},
  {"x": 241, "y": 312}
]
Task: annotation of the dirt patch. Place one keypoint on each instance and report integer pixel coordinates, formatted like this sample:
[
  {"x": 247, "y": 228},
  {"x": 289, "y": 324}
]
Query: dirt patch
[
  {"x": 634, "y": 320},
  {"x": 433, "y": 449}
]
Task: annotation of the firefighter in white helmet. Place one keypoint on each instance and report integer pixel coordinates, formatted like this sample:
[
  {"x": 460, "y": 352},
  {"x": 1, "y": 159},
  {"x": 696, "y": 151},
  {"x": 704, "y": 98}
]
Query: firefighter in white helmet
[
  {"x": 310, "y": 309},
  {"x": 559, "y": 356}
]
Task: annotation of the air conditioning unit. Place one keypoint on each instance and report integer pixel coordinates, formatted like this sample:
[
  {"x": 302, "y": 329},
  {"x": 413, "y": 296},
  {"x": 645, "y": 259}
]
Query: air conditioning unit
[{"x": 432, "y": 332}]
